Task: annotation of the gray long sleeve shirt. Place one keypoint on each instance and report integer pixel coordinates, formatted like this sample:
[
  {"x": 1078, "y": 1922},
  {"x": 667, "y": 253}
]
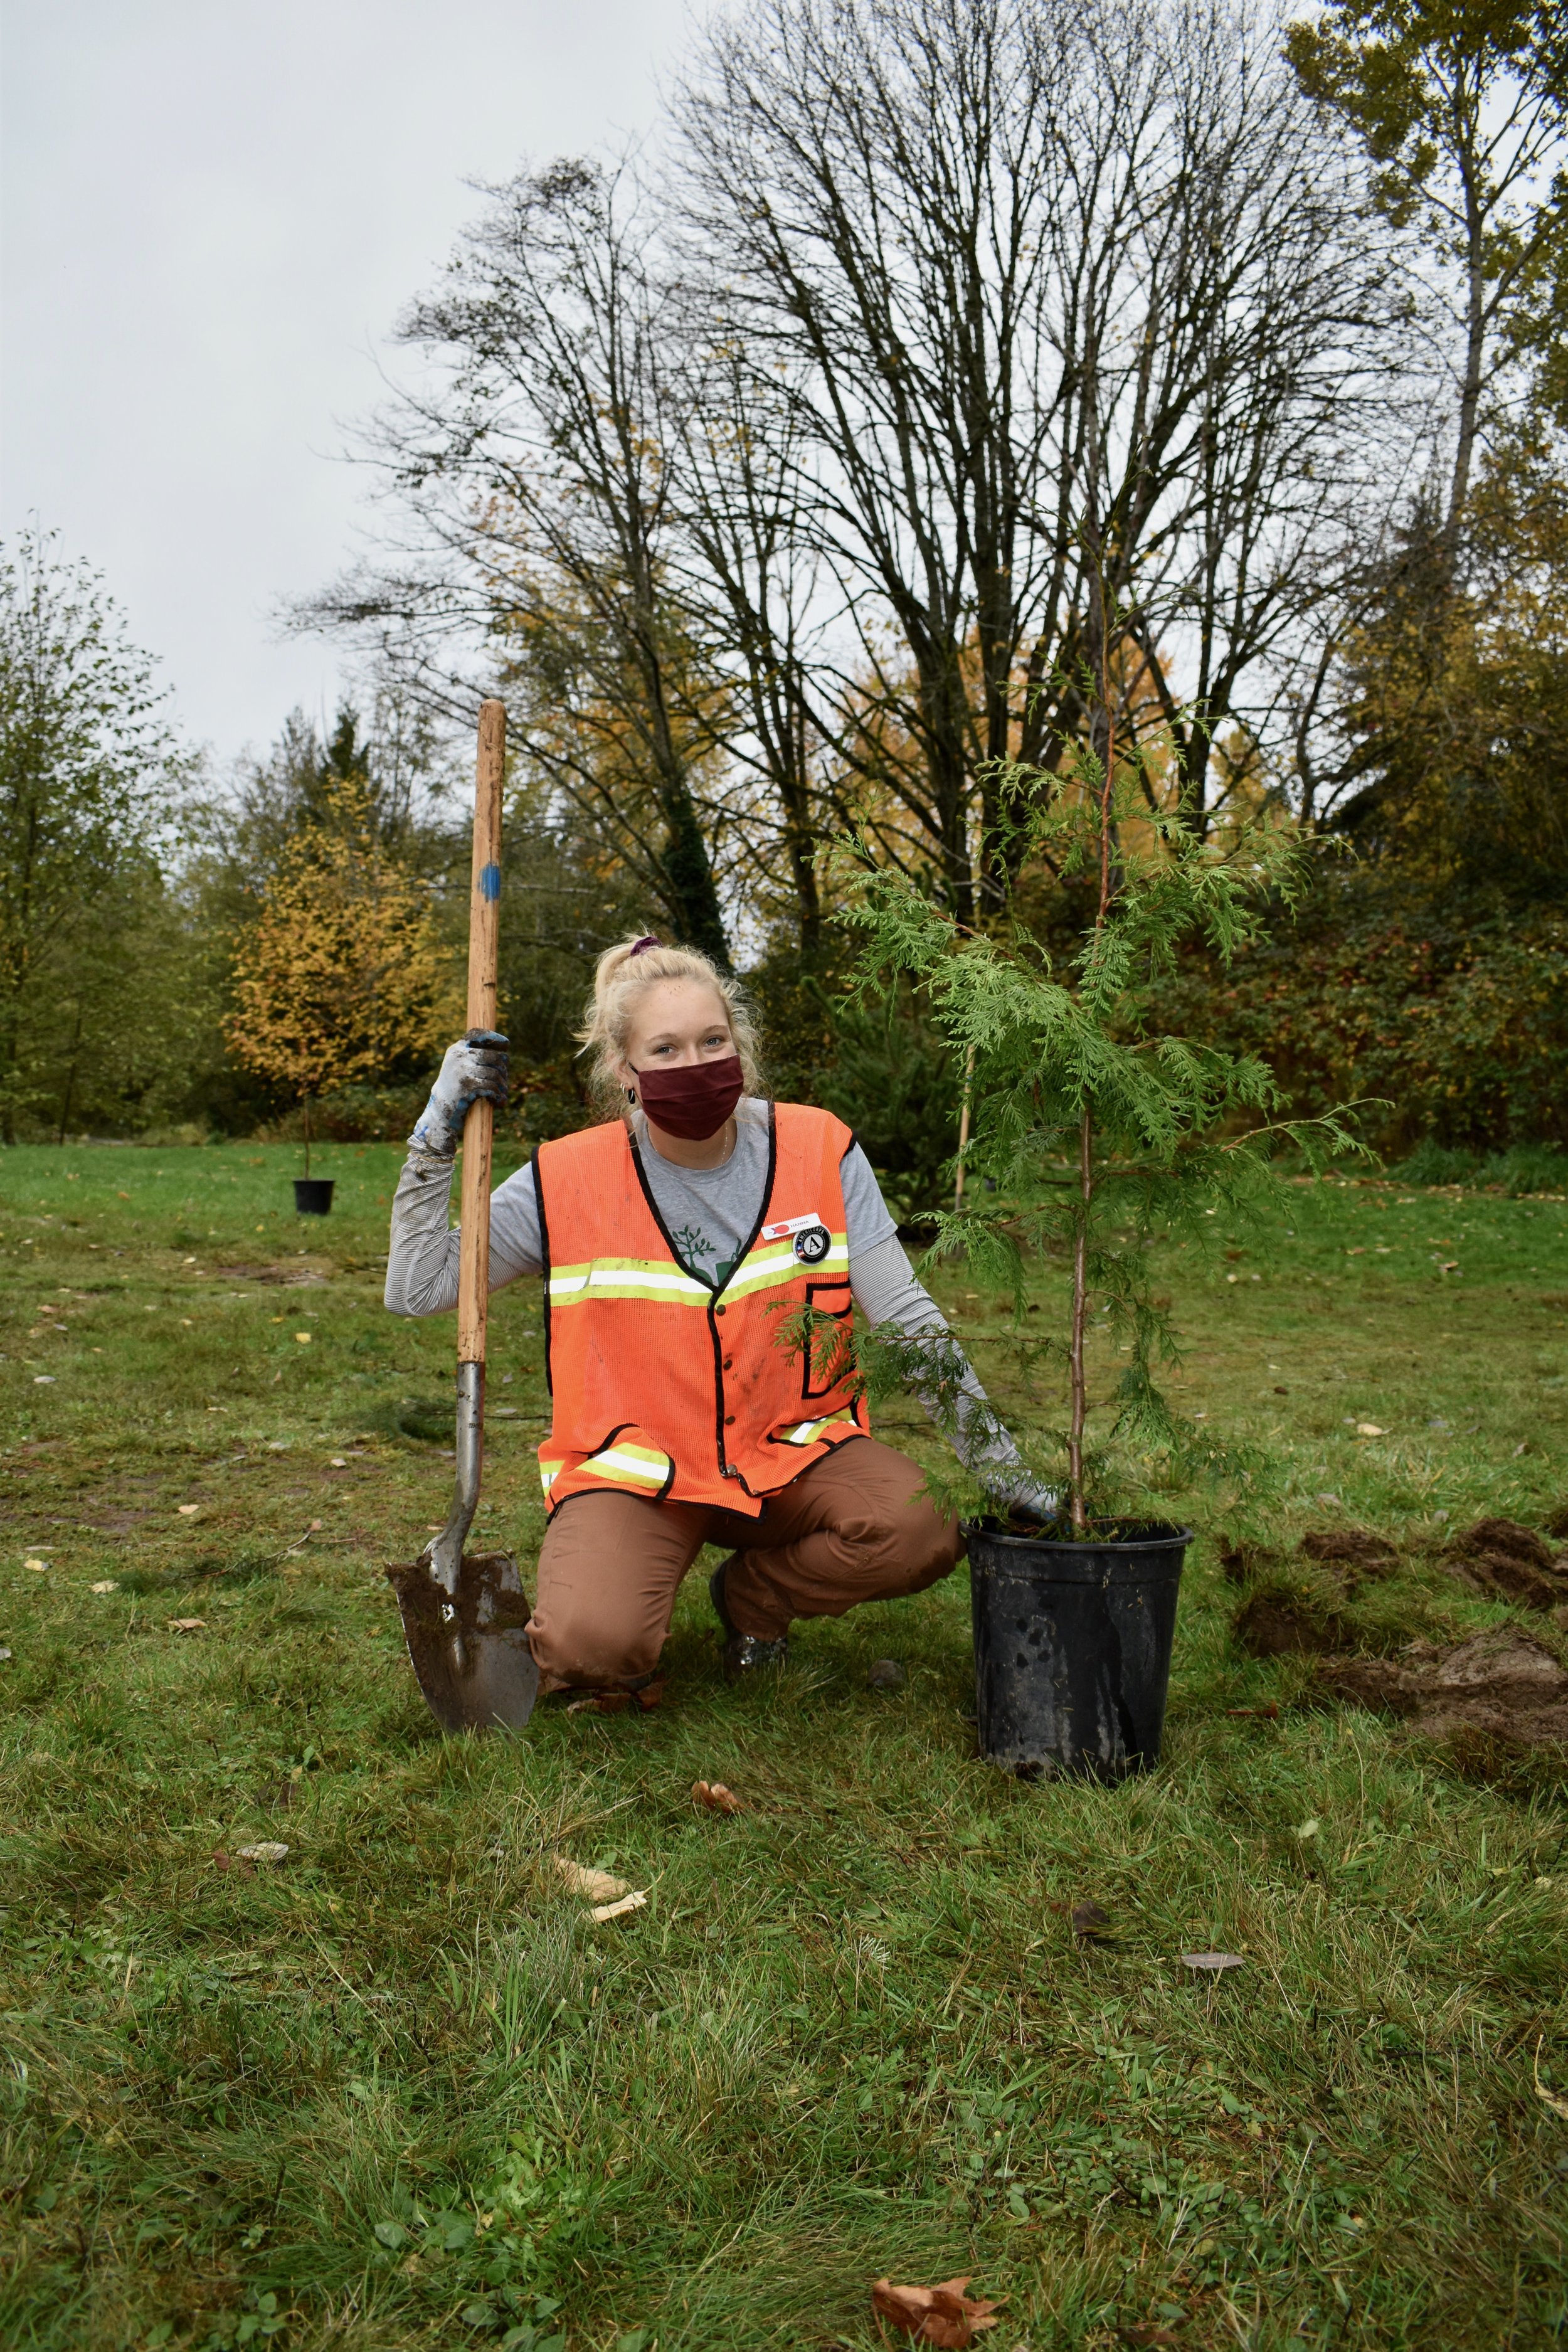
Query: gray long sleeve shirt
[{"x": 709, "y": 1215}]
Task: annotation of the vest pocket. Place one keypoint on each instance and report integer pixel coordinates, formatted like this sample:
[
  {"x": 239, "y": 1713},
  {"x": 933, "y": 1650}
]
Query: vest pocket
[
  {"x": 628, "y": 1460},
  {"x": 830, "y": 1356}
]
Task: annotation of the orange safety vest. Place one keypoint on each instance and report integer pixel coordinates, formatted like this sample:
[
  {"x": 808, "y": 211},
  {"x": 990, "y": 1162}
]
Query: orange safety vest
[{"x": 662, "y": 1385}]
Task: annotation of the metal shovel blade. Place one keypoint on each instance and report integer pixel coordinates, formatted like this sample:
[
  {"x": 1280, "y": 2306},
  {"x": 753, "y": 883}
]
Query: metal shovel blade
[
  {"x": 464, "y": 1616},
  {"x": 467, "y": 1648}
]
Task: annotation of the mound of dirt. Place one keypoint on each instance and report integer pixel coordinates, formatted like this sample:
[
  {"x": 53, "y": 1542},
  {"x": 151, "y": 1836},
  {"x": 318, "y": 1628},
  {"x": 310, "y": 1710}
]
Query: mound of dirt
[
  {"x": 1556, "y": 1524},
  {"x": 1501, "y": 1684},
  {"x": 1280, "y": 1623},
  {"x": 1502, "y": 1558},
  {"x": 1351, "y": 1552}
]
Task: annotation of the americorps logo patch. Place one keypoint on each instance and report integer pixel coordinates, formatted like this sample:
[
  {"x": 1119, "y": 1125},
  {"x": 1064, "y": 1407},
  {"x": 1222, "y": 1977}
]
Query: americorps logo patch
[{"x": 811, "y": 1239}]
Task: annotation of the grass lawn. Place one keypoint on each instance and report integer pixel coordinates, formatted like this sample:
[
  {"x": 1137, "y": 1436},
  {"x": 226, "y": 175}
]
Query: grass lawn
[{"x": 396, "y": 2089}]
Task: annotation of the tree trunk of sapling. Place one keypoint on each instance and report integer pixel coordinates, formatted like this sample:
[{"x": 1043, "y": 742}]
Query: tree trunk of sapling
[{"x": 1079, "y": 1385}]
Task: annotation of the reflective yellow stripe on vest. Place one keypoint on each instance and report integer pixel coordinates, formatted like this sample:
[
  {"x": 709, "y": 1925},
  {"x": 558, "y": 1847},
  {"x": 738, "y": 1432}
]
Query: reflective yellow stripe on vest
[
  {"x": 625, "y": 1277},
  {"x": 766, "y": 1269},
  {"x": 642, "y": 1469},
  {"x": 810, "y": 1430}
]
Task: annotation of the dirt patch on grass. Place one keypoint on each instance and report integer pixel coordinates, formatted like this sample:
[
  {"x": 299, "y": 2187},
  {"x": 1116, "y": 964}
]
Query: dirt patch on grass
[
  {"x": 1282, "y": 1620},
  {"x": 1509, "y": 1561},
  {"x": 1352, "y": 1553},
  {"x": 1347, "y": 1556},
  {"x": 288, "y": 1277},
  {"x": 1502, "y": 1684}
]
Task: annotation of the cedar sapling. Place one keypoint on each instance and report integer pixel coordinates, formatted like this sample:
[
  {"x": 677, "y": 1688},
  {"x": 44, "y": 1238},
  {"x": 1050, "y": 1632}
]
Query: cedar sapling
[{"x": 1094, "y": 1131}]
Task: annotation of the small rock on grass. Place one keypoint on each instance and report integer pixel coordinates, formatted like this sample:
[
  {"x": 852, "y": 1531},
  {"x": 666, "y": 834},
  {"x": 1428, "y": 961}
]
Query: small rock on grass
[{"x": 886, "y": 1674}]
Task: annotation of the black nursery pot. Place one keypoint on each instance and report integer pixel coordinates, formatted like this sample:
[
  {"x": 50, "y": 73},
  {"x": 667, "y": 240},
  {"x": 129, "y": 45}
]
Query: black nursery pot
[
  {"x": 314, "y": 1195},
  {"x": 1072, "y": 1646}
]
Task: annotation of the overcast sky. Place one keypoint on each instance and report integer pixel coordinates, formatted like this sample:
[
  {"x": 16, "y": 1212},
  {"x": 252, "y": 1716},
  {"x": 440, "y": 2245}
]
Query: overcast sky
[{"x": 213, "y": 211}]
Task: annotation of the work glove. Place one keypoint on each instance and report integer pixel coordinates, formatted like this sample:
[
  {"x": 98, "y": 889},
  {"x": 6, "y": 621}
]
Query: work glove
[
  {"x": 473, "y": 1070},
  {"x": 1023, "y": 1496}
]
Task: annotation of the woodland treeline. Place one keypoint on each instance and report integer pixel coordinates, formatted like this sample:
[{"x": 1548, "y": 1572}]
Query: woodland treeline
[{"x": 794, "y": 476}]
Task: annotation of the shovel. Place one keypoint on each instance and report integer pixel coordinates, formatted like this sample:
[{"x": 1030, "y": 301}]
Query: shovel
[{"x": 464, "y": 1614}]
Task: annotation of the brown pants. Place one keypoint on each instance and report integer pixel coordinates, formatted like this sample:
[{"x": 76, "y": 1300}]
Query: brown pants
[{"x": 851, "y": 1529}]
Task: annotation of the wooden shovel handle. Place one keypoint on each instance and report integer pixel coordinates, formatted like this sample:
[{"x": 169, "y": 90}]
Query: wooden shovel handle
[{"x": 484, "y": 913}]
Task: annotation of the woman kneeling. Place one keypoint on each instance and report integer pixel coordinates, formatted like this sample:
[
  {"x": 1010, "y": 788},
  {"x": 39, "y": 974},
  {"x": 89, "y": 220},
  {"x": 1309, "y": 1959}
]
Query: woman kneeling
[{"x": 678, "y": 1241}]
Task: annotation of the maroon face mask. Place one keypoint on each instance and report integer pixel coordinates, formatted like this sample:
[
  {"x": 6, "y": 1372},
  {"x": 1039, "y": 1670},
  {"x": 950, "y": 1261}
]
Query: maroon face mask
[{"x": 694, "y": 1100}]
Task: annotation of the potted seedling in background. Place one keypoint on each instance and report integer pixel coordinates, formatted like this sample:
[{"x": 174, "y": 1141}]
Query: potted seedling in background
[
  {"x": 1099, "y": 1132},
  {"x": 342, "y": 974}
]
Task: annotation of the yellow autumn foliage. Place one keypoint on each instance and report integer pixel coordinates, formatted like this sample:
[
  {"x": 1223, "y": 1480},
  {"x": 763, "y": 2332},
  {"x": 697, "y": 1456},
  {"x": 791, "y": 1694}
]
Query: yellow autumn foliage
[{"x": 343, "y": 973}]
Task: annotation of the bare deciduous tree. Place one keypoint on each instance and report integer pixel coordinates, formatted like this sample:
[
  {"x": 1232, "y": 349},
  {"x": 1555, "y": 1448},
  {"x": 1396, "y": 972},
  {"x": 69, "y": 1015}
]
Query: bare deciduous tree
[{"x": 1065, "y": 304}]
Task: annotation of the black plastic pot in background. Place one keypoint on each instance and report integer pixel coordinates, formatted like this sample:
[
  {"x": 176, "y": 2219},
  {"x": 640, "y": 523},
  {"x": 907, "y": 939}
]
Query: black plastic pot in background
[
  {"x": 1072, "y": 1646},
  {"x": 313, "y": 1196}
]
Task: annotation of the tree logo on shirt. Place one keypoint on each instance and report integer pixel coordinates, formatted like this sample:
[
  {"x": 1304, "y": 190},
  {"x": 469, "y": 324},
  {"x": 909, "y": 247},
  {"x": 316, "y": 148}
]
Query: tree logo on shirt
[{"x": 812, "y": 1244}]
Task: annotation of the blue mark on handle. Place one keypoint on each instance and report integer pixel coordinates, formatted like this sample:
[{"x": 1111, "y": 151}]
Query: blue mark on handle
[{"x": 490, "y": 881}]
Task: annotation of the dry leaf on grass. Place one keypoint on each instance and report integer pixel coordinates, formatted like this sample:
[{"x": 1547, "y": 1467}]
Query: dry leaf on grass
[
  {"x": 267, "y": 1851},
  {"x": 618, "y": 1702},
  {"x": 188, "y": 1624},
  {"x": 1558, "y": 2106},
  {"x": 105, "y": 1584},
  {"x": 1212, "y": 1963},
  {"x": 635, "y": 1901},
  {"x": 227, "y": 1861},
  {"x": 1089, "y": 1920},
  {"x": 593, "y": 1885},
  {"x": 714, "y": 1798},
  {"x": 940, "y": 2314}
]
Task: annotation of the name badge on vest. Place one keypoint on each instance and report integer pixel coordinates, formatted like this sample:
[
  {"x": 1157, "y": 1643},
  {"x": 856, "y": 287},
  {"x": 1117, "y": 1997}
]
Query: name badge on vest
[{"x": 811, "y": 1239}]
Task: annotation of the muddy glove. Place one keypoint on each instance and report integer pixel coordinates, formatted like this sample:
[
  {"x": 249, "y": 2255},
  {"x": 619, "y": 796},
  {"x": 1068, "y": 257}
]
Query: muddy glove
[{"x": 473, "y": 1070}]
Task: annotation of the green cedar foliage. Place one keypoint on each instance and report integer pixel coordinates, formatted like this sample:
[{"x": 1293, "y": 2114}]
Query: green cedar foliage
[{"x": 1096, "y": 1129}]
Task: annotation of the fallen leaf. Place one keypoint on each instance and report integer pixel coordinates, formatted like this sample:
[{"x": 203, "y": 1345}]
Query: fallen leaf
[
  {"x": 227, "y": 1861},
  {"x": 38, "y": 1566},
  {"x": 1369, "y": 1429},
  {"x": 1558, "y": 2106},
  {"x": 1308, "y": 1829},
  {"x": 603, "y": 1911},
  {"x": 3, "y": 1655},
  {"x": 1269, "y": 1713},
  {"x": 337, "y": 1463},
  {"x": 188, "y": 1510},
  {"x": 714, "y": 1798},
  {"x": 1089, "y": 1920},
  {"x": 303, "y": 1338},
  {"x": 105, "y": 1584},
  {"x": 940, "y": 2314},
  {"x": 188, "y": 1624},
  {"x": 593, "y": 1885},
  {"x": 267, "y": 1851},
  {"x": 1212, "y": 1962}
]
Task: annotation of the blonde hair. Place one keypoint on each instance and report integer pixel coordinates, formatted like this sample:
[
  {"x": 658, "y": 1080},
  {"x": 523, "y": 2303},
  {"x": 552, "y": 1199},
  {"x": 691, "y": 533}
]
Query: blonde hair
[{"x": 622, "y": 977}]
